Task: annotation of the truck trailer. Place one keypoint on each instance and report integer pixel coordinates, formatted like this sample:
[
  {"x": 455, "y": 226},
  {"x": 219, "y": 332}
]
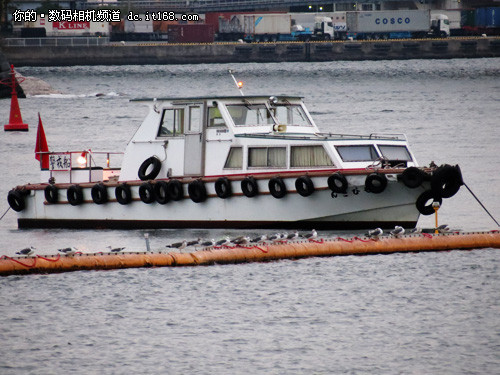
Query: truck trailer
[
  {"x": 382, "y": 25},
  {"x": 261, "y": 28}
]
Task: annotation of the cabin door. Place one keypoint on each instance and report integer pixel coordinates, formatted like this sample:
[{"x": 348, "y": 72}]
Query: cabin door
[{"x": 193, "y": 146}]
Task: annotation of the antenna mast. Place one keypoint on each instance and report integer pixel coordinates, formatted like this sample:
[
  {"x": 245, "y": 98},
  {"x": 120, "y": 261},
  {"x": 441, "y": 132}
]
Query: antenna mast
[{"x": 239, "y": 84}]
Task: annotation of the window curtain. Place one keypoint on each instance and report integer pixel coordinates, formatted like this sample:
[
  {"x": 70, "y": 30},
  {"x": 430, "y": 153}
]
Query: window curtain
[
  {"x": 308, "y": 156},
  {"x": 267, "y": 157},
  {"x": 257, "y": 157},
  {"x": 276, "y": 157}
]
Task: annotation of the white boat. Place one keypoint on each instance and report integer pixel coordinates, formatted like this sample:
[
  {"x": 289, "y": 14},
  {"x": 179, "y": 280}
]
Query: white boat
[{"x": 236, "y": 162}]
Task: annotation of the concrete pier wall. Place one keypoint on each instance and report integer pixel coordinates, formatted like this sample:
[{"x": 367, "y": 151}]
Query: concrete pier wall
[{"x": 150, "y": 53}]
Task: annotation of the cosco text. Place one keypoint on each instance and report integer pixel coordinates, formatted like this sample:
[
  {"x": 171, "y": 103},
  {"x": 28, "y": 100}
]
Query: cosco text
[{"x": 392, "y": 21}]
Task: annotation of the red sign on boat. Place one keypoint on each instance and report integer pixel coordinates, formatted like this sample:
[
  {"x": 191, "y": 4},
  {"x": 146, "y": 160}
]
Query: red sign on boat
[{"x": 73, "y": 25}]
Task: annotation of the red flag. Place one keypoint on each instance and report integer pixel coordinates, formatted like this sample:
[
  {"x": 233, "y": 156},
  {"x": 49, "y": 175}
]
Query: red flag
[{"x": 41, "y": 145}]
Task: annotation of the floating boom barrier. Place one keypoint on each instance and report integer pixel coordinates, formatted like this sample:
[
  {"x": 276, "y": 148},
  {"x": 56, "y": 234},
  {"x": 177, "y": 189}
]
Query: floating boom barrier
[{"x": 256, "y": 253}]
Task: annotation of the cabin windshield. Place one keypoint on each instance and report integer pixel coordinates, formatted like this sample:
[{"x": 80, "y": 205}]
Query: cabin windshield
[
  {"x": 291, "y": 115},
  {"x": 248, "y": 115},
  {"x": 259, "y": 114}
]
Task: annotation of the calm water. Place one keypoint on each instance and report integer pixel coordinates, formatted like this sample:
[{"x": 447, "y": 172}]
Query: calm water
[{"x": 434, "y": 313}]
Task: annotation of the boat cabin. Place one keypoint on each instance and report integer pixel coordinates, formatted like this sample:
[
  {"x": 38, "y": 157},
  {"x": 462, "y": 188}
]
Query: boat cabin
[
  {"x": 235, "y": 135},
  {"x": 247, "y": 134}
]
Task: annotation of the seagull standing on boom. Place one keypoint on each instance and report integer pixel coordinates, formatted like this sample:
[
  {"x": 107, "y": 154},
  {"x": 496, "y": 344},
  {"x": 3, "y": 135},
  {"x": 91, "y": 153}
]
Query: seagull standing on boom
[
  {"x": 275, "y": 238},
  {"x": 178, "y": 245},
  {"x": 375, "y": 233},
  {"x": 226, "y": 241},
  {"x": 397, "y": 231},
  {"x": 209, "y": 243},
  {"x": 68, "y": 250},
  {"x": 311, "y": 236},
  {"x": 293, "y": 236},
  {"x": 115, "y": 249},
  {"x": 259, "y": 239},
  {"x": 26, "y": 252}
]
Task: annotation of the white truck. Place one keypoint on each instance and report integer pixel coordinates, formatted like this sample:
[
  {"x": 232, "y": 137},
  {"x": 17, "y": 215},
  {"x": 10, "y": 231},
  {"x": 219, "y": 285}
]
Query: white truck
[{"x": 382, "y": 25}]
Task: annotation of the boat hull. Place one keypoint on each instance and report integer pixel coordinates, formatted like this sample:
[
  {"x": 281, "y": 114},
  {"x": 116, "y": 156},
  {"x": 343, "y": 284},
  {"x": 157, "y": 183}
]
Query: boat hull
[{"x": 357, "y": 209}]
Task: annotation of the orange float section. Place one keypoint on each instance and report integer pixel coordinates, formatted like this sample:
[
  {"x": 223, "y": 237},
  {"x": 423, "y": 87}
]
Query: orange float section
[{"x": 259, "y": 253}]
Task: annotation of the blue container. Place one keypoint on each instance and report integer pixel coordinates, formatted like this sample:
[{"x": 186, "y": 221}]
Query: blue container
[
  {"x": 488, "y": 17},
  {"x": 480, "y": 17},
  {"x": 493, "y": 17}
]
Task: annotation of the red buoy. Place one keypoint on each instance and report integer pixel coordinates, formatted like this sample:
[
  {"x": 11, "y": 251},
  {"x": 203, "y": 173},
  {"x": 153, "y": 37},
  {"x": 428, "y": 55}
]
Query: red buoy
[{"x": 15, "y": 120}]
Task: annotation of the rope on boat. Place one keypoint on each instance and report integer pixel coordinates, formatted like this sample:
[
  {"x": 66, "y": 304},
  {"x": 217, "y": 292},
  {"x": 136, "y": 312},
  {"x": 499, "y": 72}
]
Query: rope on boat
[
  {"x": 5, "y": 213},
  {"x": 482, "y": 205}
]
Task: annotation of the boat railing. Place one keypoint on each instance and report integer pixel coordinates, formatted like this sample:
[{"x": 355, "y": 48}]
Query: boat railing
[
  {"x": 394, "y": 136},
  {"x": 86, "y": 160},
  {"x": 325, "y": 136}
]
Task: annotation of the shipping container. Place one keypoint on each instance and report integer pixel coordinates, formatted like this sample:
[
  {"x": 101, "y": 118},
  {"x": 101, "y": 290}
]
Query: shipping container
[
  {"x": 268, "y": 24},
  {"x": 70, "y": 28},
  {"x": 212, "y": 18},
  {"x": 256, "y": 24},
  {"x": 468, "y": 18},
  {"x": 492, "y": 17},
  {"x": 141, "y": 26},
  {"x": 388, "y": 21},
  {"x": 486, "y": 21},
  {"x": 191, "y": 33},
  {"x": 480, "y": 20}
]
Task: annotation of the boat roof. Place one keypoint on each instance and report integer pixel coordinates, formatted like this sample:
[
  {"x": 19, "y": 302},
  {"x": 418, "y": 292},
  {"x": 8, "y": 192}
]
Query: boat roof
[{"x": 234, "y": 97}]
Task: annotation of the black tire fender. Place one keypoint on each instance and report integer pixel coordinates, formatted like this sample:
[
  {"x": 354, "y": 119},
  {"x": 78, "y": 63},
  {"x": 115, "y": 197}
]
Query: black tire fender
[
  {"x": 16, "y": 200},
  {"x": 446, "y": 181},
  {"x": 423, "y": 205},
  {"x": 123, "y": 194},
  {"x": 51, "y": 193},
  {"x": 147, "y": 192},
  {"x": 223, "y": 188},
  {"x": 338, "y": 183},
  {"x": 197, "y": 191},
  {"x": 375, "y": 183},
  {"x": 304, "y": 186},
  {"x": 75, "y": 195},
  {"x": 412, "y": 177},
  {"x": 175, "y": 190},
  {"x": 99, "y": 193},
  {"x": 153, "y": 162},
  {"x": 277, "y": 187},
  {"x": 249, "y": 187},
  {"x": 161, "y": 192}
]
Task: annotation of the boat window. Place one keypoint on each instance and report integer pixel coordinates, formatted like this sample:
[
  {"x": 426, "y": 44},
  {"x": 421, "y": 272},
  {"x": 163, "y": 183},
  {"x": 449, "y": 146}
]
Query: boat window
[
  {"x": 267, "y": 157},
  {"x": 309, "y": 156},
  {"x": 299, "y": 117},
  {"x": 234, "y": 158},
  {"x": 246, "y": 115},
  {"x": 395, "y": 152},
  {"x": 292, "y": 115},
  {"x": 172, "y": 122},
  {"x": 194, "y": 119},
  {"x": 282, "y": 114},
  {"x": 215, "y": 117},
  {"x": 357, "y": 153}
]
